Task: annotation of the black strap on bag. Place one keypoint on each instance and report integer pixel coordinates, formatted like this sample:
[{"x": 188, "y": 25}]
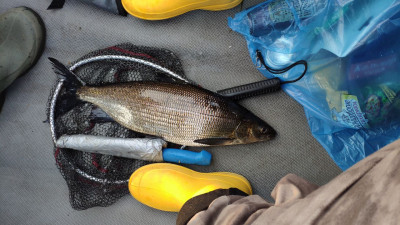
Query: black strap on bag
[
  {"x": 121, "y": 9},
  {"x": 58, "y": 4}
]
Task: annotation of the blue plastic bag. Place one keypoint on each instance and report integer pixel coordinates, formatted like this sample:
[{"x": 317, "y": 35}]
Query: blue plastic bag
[{"x": 351, "y": 92}]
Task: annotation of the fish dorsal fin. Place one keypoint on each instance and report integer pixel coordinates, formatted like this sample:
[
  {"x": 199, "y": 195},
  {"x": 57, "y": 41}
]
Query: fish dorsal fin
[{"x": 215, "y": 141}]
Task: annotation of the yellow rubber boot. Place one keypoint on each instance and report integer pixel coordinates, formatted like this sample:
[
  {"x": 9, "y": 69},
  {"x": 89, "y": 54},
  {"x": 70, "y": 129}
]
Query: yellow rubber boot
[
  {"x": 167, "y": 186},
  {"x": 164, "y": 9}
]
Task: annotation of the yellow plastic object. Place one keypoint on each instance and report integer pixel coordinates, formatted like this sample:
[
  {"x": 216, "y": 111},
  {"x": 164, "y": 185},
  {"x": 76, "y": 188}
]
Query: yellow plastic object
[
  {"x": 167, "y": 187},
  {"x": 164, "y": 9}
]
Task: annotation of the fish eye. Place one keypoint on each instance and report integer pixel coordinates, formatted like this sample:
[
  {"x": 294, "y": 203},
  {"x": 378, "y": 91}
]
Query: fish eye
[{"x": 264, "y": 130}]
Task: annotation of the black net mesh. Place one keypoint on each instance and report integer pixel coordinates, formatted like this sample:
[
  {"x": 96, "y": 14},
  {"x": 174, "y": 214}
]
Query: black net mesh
[{"x": 95, "y": 179}]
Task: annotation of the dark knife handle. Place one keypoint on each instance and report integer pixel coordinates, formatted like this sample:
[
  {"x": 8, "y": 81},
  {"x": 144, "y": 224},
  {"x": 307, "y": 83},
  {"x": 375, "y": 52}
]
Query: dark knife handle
[{"x": 252, "y": 89}]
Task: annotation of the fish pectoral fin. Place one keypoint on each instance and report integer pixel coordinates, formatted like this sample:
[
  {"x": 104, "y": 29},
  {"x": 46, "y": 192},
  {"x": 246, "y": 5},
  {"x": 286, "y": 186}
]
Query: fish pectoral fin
[
  {"x": 215, "y": 141},
  {"x": 97, "y": 115}
]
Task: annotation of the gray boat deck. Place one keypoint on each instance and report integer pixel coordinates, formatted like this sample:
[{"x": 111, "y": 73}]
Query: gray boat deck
[{"x": 32, "y": 190}]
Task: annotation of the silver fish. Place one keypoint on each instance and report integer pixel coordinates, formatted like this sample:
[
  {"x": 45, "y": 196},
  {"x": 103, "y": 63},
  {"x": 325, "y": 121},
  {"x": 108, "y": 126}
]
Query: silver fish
[{"x": 179, "y": 113}]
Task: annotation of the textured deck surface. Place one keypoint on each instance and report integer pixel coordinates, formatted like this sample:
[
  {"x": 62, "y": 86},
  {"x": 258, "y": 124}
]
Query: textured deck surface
[{"x": 32, "y": 191}]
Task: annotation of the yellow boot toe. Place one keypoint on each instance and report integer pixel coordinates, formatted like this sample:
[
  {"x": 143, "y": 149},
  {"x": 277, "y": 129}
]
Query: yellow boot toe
[
  {"x": 167, "y": 186},
  {"x": 164, "y": 9}
]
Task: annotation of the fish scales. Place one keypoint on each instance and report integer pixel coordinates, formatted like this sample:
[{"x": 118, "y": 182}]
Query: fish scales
[{"x": 180, "y": 114}]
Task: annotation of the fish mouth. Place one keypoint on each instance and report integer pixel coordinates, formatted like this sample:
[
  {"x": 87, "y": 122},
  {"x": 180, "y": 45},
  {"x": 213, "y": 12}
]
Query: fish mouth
[
  {"x": 269, "y": 134},
  {"x": 272, "y": 133}
]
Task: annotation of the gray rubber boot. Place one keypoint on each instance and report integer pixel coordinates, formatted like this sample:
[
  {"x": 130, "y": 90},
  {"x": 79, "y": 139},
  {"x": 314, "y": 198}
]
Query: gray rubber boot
[{"x": 22, "y": 39}]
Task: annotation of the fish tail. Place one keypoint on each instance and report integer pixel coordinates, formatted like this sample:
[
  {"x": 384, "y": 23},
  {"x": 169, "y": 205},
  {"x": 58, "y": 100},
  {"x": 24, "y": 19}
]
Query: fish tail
[
  {"x": 65, "y": 74},
  {"x": 71, "y": 83}
]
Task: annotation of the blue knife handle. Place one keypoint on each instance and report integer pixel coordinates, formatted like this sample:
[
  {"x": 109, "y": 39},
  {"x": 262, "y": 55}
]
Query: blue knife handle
[{"x": 202, "y": 158}]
